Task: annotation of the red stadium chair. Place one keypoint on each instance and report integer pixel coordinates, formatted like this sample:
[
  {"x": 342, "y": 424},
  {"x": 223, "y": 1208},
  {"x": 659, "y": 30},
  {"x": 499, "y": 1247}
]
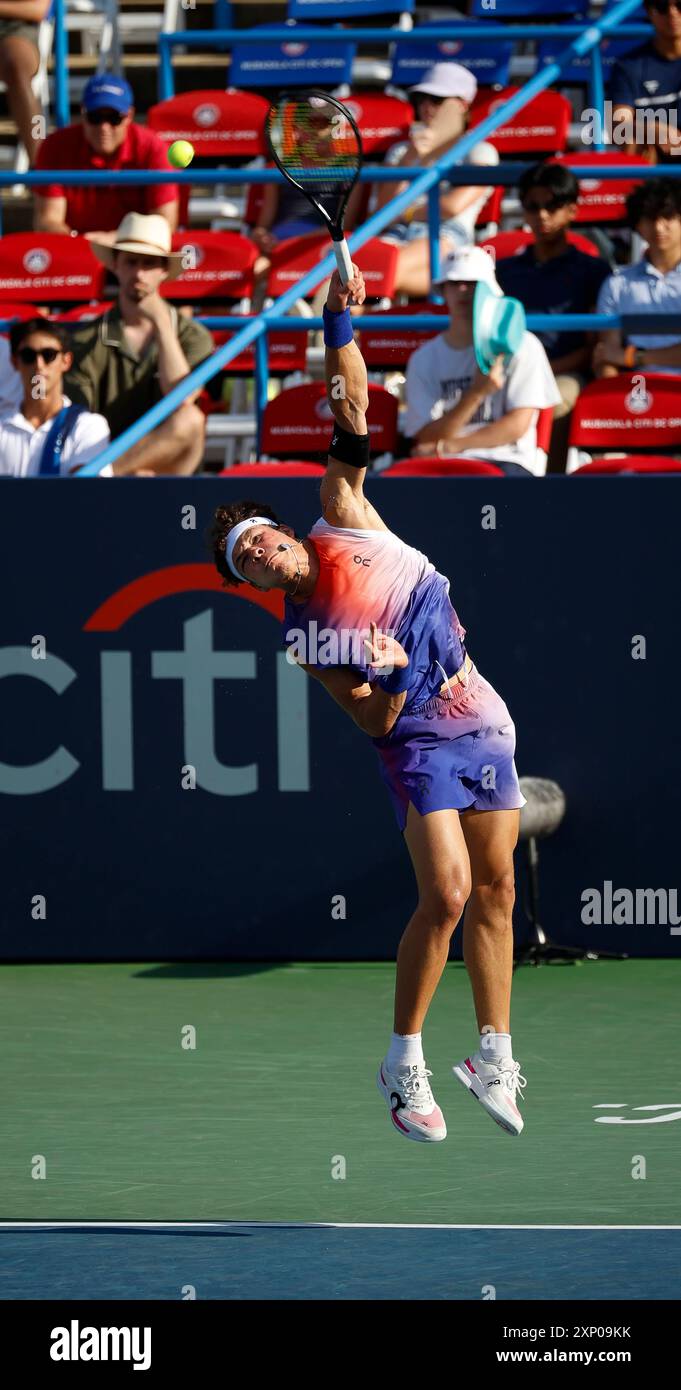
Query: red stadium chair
[
  {"x": 297, "y": 468},
  {"x": 442, "y": 468},
  {"x": 381, "y": 120},
  {"x": 389, "y": 349},
  {"x": 541, "y": 127},
  {"x": 219, "y": 265},
  {"x": 46, "y": 268},
  {"x": 506, "y": 244},
  {"x": 292, "y": 259},
  {"x": 602, "y": 200},
  {"x": 490, "y": 212},
  {"x": 299, "y": 421},
  {"x": 8, "y": 310},
  {"x": 544, "y": 427},
  {"x": 624, "y": 412},
  {"x": 630, "y": 464},
  {"x": 220, "y": 125}
]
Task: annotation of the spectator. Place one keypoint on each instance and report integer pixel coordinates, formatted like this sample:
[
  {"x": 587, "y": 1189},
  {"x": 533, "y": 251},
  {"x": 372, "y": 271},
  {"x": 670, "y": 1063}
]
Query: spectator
[
  {"x": 19, "y": 59},
  {"x": 106, "y": 138},
  {"x": 652, "y": 285},
  {"x": 453, "y": 408},
  {"x": 442, "y": 101},
  {"x": 647, "y": 82},
  {"x": 553, "y": 277},
  {"x": 138, "y": 351},
  {"x": 47, "y": 433}
]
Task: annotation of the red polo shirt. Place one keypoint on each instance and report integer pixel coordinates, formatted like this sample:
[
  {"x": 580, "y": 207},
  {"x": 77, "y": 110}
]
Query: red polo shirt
[{"x": 102, "y": 209}]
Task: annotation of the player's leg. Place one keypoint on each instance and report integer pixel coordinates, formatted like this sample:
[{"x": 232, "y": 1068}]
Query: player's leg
[
  {"x": 439, "y": 855},
  {"x": 491, "y": 837},
  {"x": 440, "y": 859},
  {"x": 490, "y": 1073}
]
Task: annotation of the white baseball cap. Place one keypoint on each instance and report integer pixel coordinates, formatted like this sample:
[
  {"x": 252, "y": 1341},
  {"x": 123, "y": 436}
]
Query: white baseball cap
[
  {"x": 469, "y": 263},
  {"x": 447, "y": 80}
]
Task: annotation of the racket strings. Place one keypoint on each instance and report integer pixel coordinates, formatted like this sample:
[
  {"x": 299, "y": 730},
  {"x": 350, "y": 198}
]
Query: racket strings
[{"x": 318, "y": 150}]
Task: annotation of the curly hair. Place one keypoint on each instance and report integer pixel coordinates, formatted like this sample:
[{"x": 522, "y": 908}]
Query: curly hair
[
  {"x": 224, "y": 519},
  {"x": 654, "y": 198}
]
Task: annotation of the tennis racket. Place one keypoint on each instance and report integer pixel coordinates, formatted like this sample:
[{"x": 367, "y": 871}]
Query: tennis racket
[{"x": 313, "y": 139}]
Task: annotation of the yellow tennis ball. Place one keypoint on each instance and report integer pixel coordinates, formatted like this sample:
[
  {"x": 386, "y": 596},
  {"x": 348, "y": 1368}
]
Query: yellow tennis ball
[{"x": 180, "y": 154}]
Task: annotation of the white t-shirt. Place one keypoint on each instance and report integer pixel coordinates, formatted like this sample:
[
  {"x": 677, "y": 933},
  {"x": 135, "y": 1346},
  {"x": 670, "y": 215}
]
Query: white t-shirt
[
  {"x": 11, "y": 389},
  {"x": 438, "y": 376},
  {"x": 21, "y": 446},
  {"x": 482, "y": 153}
]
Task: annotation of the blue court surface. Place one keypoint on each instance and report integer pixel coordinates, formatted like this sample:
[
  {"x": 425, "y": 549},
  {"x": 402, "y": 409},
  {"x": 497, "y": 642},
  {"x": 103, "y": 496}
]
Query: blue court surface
[{"x": 225, "y": 1260}]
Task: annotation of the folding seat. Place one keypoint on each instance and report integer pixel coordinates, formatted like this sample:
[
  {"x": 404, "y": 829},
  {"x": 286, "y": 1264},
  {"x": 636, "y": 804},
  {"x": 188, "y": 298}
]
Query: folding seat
[
  {"x": 540, "y": 127},
  {"x": 299, "y": 422},
  {"x": 46, "y": 268},
  {"x": 626, "y": 415},
  {"x": 224, "y": 128},
  {"x": 292, "y": 259}
]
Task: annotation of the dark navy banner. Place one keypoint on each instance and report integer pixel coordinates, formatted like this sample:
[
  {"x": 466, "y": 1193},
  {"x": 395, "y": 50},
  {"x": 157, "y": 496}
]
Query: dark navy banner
[
  {"x": 293, "y": 63},
  {"x": 172, "y": 788}
]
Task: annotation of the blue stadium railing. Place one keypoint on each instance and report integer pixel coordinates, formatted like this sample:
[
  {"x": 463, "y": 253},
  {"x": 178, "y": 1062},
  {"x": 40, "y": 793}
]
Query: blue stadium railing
[
  {"x": 485, "y": 32},
  {"x": 424, "y": 182}
]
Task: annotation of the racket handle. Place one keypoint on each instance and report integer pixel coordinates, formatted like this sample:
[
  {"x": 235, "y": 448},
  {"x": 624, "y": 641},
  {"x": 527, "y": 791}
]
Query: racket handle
[{"x": 343, "y": 260}]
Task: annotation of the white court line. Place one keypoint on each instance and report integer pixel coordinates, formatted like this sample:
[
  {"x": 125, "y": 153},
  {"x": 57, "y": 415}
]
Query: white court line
[{"x": 304, "y": 1226}]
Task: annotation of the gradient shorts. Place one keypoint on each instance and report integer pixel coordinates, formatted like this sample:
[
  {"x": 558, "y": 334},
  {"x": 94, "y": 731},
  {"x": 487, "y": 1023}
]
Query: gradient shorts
[{"x": 453, "y": 754}]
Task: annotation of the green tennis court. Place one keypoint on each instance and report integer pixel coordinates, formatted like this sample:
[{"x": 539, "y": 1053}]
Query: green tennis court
[{"x": 274, "y": 1116}]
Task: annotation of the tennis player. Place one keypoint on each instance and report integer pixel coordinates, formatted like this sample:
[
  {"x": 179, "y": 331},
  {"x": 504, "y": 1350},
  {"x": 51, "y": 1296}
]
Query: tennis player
[{"x": 444, "y": 737}]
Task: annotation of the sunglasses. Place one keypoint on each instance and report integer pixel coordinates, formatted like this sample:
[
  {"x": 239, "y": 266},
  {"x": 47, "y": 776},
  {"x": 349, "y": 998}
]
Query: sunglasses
[
  {"x": 551, "y": 205},
  {"x": 420, "y": 97},
  {"x": 663, "y": 6},
  {"x": 29, "y": 356},
  {"x": 104, "y": 117}
]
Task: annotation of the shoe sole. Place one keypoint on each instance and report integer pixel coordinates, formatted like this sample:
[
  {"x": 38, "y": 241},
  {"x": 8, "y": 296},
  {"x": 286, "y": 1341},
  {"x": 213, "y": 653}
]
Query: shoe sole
[
  {"x": 419, "y": 1136},
  {"x": 470, "y": 1082}
]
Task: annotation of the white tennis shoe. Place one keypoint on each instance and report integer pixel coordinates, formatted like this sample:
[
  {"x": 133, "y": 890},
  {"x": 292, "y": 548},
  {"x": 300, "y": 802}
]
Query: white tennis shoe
[
  {"x": 412, "y": 1106},
  {"x": 497, "y": 1085}
]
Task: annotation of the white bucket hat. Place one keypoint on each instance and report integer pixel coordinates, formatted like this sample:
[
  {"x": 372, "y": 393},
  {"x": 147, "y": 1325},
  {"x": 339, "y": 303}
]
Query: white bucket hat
[
  {"x": 447, "y": 80},
  {"x": 145, "y": 236},
  {"x": 469, "y": 263}
]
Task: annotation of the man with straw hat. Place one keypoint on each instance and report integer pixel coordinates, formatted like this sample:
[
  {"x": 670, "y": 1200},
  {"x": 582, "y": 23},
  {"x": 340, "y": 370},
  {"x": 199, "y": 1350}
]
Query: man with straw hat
[{"x": 138, "y": 351}]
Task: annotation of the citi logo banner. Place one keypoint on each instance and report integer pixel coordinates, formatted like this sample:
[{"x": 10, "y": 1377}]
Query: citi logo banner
[
  {"x": 197, "y": 665},
  {"x": 76, "y": 1343}
]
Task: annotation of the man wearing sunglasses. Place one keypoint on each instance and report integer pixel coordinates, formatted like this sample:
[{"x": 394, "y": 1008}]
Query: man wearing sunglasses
[
  {"x": 107, "y": 138},
  {"x": 647, "y": 83},
  {"x": 47, "y": 435},
  {"x": 551, "y": 276}
]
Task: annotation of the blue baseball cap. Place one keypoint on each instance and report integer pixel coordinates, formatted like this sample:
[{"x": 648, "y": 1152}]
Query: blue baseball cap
[{"x": 106, "y": 91}]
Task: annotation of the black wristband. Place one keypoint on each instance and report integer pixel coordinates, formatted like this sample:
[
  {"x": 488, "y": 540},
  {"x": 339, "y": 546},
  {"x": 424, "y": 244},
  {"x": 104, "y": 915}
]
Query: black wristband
[{"x": 352, "y": 449}]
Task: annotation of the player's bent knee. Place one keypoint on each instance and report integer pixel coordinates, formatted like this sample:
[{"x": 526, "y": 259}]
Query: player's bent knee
[
  {"x": 498, "y": 895},
  {"x": 443, "y": 909}
]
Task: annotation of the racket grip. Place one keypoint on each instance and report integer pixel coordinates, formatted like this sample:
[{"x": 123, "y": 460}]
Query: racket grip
[{"x": 343, "y": 260}]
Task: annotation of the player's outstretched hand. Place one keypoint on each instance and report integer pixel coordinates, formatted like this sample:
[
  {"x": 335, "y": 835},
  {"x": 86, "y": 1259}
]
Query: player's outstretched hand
[
  {"x": 383, "y": 651},
  {"x": 340, "y": 295}
]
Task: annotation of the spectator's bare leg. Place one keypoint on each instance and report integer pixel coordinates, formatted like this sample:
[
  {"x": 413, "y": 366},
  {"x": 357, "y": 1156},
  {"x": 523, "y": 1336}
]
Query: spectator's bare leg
[
  {"x": 175, "y": 447},
  {"x": 413, "y": 267},
  {"x": 18, "y": 64}
]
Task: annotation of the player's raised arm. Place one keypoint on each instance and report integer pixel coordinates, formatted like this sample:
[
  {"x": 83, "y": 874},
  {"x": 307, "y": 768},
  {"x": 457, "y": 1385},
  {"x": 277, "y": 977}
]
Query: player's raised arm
[
  {"x": 346, "y": 390},
  {"x": 341, "y": 492}
]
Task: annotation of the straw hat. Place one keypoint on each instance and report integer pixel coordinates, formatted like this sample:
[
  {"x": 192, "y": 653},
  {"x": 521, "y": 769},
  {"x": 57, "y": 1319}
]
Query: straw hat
[{"x": 145, "y": 236}]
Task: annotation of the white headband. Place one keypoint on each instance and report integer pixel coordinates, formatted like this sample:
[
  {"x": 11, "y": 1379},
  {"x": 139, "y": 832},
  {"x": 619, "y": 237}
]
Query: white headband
[{"x": 237, "y": 531}]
